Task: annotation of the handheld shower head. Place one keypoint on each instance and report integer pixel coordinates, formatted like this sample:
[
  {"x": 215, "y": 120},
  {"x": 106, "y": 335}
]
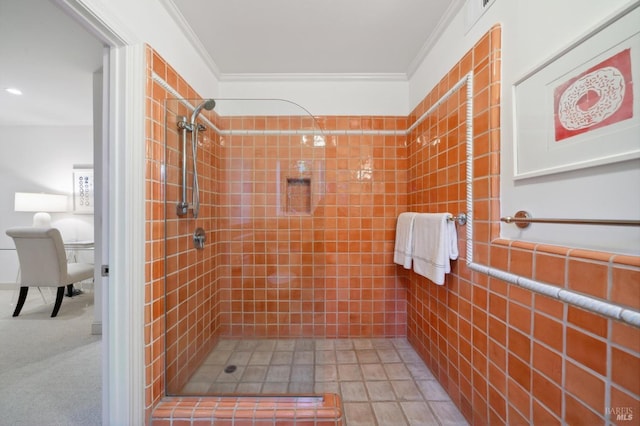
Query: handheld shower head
[
  {"x": 208, "y": 104},
  {"x": 183, "y": 206}
]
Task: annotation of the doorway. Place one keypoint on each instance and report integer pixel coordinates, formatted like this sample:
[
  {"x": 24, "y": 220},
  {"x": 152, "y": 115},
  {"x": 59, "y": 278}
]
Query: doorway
[{"x": 49, "y": 135}]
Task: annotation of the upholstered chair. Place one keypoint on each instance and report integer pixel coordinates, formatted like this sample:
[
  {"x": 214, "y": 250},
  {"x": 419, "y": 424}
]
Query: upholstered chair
[{"x": 43, "y": 263}]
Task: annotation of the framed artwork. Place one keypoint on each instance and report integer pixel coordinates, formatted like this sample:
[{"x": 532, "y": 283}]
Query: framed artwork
[
  {"x": 83, "y": 191},
  {"x": 581, "y": 108}
]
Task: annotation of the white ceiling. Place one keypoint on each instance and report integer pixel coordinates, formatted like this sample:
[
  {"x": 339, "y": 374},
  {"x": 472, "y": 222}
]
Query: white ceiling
[
  {"x": 365, "y": 37},
  {"x": 51, "y": 58}
]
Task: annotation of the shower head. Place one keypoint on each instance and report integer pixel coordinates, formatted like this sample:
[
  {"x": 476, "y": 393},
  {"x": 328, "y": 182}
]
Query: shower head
[{"x": 208, "y": 104}]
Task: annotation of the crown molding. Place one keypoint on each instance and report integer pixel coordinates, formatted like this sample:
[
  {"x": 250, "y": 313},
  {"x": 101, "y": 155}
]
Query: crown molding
[
  {"x": 312, "y": 77},
  {"x": 454, "y": 8},
  {"x": 182, "y": 23}
]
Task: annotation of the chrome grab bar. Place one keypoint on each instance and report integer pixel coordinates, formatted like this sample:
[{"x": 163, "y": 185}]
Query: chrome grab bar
[{"x": 522, "y": 219}]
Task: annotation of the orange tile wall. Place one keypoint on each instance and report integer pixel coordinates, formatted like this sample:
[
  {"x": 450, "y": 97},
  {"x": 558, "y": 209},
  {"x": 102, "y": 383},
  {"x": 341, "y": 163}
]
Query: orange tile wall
[
  {"x": 154, "y": 303},
  {"x": 326, "y": 274},
  {"x": 181, "y": 309},
  {"x": 504, "y": 354}
]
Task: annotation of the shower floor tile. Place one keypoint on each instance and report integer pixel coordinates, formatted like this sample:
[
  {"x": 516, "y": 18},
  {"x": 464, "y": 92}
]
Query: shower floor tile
[{"x": 381, "y": 381}]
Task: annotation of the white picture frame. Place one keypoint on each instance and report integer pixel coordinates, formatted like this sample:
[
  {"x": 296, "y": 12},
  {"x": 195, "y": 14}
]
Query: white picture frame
[
  {"x": 83, "y": 191},
  {"x": 579, "y": 108}
]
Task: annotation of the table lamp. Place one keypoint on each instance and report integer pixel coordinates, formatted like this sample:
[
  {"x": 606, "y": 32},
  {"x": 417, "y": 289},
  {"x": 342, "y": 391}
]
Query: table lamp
[{"x": 42, "y": 204}]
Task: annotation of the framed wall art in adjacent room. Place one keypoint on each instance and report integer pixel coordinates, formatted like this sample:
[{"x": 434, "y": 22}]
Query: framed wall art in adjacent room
[{"x": 83, "y": 190}]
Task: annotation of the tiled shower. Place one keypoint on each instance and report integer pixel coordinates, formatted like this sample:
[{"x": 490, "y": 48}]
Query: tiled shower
[
  {"x": 322, "y": 267},
  {"x": 292, "y": 249}
]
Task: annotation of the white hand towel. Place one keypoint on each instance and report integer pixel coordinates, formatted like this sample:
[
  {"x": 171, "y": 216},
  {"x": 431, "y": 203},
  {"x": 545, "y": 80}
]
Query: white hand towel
[
  {"x": 404, "y": 244},
  {"x": 435, "y": 243}
]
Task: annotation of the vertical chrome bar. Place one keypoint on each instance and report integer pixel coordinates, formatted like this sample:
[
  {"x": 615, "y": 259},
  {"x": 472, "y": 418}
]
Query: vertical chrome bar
[
  {"x": 183, "y": 205},
  {"x": 195, "y": 187}
]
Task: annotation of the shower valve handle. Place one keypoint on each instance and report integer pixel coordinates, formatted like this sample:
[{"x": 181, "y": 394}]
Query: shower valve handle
[
  {"x": 182, "y": 208},
  {"x": 199, "y": 238}
]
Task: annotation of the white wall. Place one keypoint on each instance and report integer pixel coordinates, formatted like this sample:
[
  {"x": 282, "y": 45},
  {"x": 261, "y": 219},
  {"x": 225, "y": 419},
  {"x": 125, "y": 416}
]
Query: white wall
[
  {"x": 329, "y": 97},
  {"x": 147, "y": 21},
  {"x": 533, "y": 32},
  {"x": 40, "y": 159}
]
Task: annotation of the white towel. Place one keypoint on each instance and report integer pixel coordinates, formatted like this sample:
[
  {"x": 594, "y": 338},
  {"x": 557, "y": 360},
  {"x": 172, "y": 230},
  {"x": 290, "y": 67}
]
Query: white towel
[
  {"x": 435, "y": 243},
  {"x": 404, "y": 244}
]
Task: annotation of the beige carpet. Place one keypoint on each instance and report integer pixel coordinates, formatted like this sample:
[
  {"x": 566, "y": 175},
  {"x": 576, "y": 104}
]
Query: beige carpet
[{"x": 50, "y": 368}]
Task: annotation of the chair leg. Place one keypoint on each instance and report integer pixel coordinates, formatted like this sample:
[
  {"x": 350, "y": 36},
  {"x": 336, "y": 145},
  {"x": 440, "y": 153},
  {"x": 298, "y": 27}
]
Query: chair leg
[
  {"x": 21, "y": 299},
  {"x": 73, "y": 291},
  {"x": 59, "y": 297}
]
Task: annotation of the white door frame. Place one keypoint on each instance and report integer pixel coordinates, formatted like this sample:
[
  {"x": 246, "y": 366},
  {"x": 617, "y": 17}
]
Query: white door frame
[{"x": 123, "y": 216}]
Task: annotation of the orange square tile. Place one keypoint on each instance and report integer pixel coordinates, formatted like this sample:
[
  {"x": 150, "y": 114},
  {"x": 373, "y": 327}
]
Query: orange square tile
[
  {"x": 626, "y": 287},
  {"x": 515, "y": 418},
  {"x": 520, "y": 317},
  {"x": 588, "y": 321},
  {"x": 588, "y": 277},
  {"x": 520, "y": 372},
  {"x": 550, "y": 269},
  {"x": 548, "y": 394},
  {"x": 549, "y": 306},
  {"x": 626, "y": 404},
  {"x": 521, "y": 295},
  {"x": 542, "y": 416},
  {"x": 498, "y": 406},
  {"x": 578, "y": 413},
  {"x": 625, "y": 335},
  {"x": 547, "y": 362},
  {"x": 497, "y": 330},
  {"x": 498, "y": 306},
  {"x": 519, "y": 397},
  {"x": 626, "y": 370},
  {"x": 586, "y": 350},
  {"x": 585, "y": 386}
]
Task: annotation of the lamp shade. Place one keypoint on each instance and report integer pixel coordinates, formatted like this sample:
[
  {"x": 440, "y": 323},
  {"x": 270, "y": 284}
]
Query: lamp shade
[
  {"x": 33, "y": 202},
  {"x": 42, "y": 204}
]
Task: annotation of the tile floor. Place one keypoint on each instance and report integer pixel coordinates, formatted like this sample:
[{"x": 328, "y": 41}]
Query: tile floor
[{"x": 380, "y": 381}]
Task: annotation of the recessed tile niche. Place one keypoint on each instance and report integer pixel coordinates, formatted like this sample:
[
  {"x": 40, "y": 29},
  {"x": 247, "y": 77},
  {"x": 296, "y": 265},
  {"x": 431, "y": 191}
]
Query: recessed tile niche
[{"x": 298, "y": 195}]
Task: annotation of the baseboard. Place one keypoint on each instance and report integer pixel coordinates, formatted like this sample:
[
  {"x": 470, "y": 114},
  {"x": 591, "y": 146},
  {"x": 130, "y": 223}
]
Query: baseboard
[{"x": 8, "y": 286}]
